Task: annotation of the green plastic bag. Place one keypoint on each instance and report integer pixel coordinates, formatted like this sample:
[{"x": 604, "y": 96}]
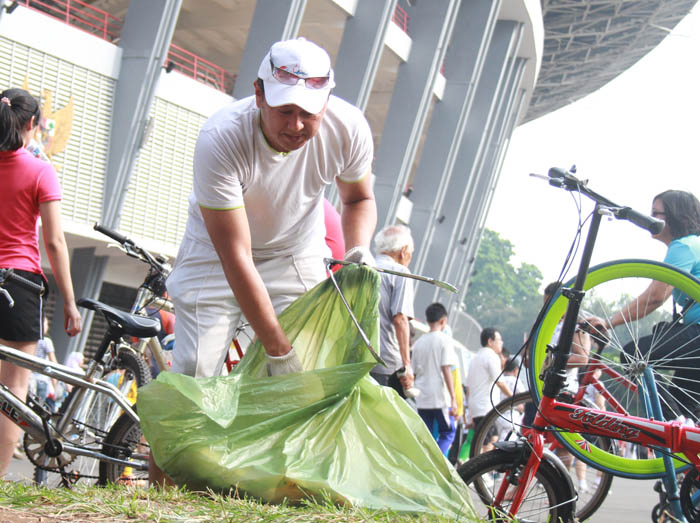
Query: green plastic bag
[{"x": 329, "y": 432}]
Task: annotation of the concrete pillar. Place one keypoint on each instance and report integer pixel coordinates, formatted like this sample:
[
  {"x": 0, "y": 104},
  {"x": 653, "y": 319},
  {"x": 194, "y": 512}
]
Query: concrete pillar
[
  {"x": 431, "y": 28},
  {"x": 463, "y": 65},
  {"x": 87, "y": 271},
  {"x": 144, "y": 40},
  {"x": 358, "y": 57},
  {"x": 472, "y": 248},
  {"x": 361, "y": 50},
  {"x": 273, "y": 20},
  {"x": 462, "y": 185},
  {"x": 463, "y": 251}
]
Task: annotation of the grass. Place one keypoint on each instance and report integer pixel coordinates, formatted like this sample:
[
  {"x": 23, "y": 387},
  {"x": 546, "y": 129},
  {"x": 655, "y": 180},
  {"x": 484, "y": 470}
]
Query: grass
[{"x": 28, "y": 503}]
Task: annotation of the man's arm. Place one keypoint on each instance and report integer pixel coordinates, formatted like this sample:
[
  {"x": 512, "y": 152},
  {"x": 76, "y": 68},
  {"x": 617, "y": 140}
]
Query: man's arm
[
  {"x": 230, "y": 235},
  {"x": 447, "y": 376},
  {"x": 651, "y": 299},
  {"x": 358, "y": 213},
  {"x": 494, "y": 371},
  {"x": 580, "y": 349},
  {"x": 403, "y": 336},
  {"x": 504, "y": 388}
]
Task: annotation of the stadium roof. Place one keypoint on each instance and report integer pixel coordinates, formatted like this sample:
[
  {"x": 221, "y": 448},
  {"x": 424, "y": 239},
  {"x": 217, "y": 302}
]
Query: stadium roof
[{"x": 588, "y": 43}]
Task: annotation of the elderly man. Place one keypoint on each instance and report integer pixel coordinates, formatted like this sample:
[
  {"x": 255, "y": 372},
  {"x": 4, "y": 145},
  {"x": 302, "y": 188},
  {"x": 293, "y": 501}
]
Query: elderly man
[{"x": 394, "y": 248}]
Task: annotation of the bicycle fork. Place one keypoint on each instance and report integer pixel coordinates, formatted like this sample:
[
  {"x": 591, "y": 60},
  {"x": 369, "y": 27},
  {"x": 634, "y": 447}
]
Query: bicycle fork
[{"x": 535, "y": 442}]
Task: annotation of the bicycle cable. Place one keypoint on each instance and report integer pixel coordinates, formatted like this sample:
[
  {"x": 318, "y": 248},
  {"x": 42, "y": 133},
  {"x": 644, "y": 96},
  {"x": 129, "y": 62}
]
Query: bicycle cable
[{"x": 566, "y": 266}]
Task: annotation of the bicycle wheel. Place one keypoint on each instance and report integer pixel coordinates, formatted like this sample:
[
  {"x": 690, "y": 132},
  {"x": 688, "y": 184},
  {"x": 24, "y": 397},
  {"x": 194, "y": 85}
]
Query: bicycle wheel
[
  {"x": 92, "y": 421},
  {"x": 548, "y": 498},
  {"x": 632, "y": 348},
  {"x": 690, "y": 495},
  {"x": 503, "y": 423},
  {"x": 126, "y": 442}
]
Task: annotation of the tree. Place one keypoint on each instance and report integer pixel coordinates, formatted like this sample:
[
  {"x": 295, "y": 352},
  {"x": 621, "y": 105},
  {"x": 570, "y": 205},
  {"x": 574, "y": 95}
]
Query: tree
[{"x": 501, "y": 295}]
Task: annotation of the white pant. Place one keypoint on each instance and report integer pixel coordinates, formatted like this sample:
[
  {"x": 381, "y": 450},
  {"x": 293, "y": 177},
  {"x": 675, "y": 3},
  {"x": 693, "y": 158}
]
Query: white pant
[{"x": 207, "y": 312}]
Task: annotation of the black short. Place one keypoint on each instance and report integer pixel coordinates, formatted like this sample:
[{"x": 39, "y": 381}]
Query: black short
[{"x": 23, "y": 321}]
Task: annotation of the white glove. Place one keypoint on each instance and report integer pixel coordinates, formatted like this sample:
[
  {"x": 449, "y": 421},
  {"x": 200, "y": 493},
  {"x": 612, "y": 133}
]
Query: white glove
[
  {"x": 360, "y": 254},
  {"x": 286, "y": 364}
]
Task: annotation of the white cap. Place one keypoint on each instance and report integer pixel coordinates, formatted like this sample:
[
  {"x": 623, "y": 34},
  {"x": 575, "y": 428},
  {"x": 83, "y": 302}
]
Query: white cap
[{"x": 304, "y": 59}]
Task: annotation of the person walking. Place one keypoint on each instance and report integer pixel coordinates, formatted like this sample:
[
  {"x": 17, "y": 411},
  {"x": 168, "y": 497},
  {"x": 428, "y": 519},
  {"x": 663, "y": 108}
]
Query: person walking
[
  {"x": 30, "y": 190},
  {"x": 434, "y": 359},
  {"x": 485, "y": 382}
]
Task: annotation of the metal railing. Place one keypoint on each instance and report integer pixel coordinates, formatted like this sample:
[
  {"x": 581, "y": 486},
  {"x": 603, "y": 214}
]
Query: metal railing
[
  {"x": 196, "y": 67},
  {"x": 400, "y": 18},
  {"x": 81, "y": 15},
  {"x": 99, "y": 23}
]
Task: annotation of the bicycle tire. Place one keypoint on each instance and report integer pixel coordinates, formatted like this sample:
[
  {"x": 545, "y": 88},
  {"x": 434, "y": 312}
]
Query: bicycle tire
[
  {"x": 97, "y": 415},
  {"x": 608, "y": 287},
  {"x": 125, "y": 441},
  {"x": 547, "y": 484},
  {"x": 598, "y": 484},
  {"x": 690, "y": 486}
]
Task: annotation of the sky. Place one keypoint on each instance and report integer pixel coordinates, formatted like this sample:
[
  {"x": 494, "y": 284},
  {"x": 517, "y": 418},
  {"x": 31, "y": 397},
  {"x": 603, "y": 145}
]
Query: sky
[{"x": 632, "y": 139}]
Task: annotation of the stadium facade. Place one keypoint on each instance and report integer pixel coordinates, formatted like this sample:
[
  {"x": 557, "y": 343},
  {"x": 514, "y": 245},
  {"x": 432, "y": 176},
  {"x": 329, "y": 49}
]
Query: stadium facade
[{"x": 126, "y": 85}]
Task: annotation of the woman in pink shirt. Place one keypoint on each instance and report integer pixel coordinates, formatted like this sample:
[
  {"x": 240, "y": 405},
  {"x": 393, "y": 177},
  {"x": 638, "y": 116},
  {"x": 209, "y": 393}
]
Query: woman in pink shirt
[{"x": 30, "y": 189}]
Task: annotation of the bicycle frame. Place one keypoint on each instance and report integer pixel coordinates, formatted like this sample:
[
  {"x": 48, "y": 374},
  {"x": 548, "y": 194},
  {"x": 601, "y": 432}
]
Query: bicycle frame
[
  {"x": 145, "y": 298},
  {"x": 29, "y": 421},
  {"x": 588, "y": 378},
  {"x": 673, "y": 436}
]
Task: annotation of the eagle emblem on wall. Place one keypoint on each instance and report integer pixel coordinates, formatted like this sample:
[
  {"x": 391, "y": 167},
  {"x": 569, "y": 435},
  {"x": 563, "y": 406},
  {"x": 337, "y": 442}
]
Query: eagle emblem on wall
[{"x": 53, "y": 131}]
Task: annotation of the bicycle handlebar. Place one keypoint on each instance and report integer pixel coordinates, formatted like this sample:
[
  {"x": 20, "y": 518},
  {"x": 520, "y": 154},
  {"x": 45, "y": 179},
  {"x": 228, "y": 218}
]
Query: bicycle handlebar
[
  {"x": 112, "y": 234},
  {"x": 566, "y": 180},
  {"x": 9, "y": 275},
  {"x": 649, "y": 223},
  {"x": 134, "y": 250}
]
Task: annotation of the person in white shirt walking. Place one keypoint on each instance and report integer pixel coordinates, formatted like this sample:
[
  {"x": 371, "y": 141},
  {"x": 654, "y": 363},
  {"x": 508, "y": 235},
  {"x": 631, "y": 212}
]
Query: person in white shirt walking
[
  {"x": 484, "y": 370},
  {"x": 433, "y": 360}
]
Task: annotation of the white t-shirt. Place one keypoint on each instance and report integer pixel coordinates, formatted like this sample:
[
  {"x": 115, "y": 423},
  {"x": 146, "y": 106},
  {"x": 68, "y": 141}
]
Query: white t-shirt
[
  {"x": 514, "y": 383},
  {"x": 484, "y": 370},
  {"x": 431, "y": 352},
  {"x": 282, "y": 192}
]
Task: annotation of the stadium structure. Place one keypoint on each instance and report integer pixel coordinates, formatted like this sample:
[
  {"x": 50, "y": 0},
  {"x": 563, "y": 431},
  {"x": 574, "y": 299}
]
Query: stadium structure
[{"x": 126, "y": 85}]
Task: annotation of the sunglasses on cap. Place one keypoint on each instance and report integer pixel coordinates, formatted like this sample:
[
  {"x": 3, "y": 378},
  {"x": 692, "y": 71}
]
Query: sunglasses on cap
[{"x": 287, "y": 78}]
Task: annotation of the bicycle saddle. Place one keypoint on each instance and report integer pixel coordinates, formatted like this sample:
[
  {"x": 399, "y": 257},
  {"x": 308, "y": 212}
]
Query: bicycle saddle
[{"x": 131, "y": 324}]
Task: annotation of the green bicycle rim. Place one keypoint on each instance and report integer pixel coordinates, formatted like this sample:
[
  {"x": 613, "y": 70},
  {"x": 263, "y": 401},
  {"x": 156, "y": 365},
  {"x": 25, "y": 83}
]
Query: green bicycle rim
[{"x": 575, "y": 443}]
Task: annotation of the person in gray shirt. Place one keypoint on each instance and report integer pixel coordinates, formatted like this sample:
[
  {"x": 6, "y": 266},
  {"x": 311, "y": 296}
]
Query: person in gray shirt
[{"x": 394, "y": 248}]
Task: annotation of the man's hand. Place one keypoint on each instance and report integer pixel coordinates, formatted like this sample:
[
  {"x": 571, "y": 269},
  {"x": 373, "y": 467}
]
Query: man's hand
[
  {"x": 407, "y": 377},
  {"x": 596, "y": 326},
  {"x": 286, "y": 364},
  {"x": 453, "y": 408},
  {"x": 360, "y": 254}
]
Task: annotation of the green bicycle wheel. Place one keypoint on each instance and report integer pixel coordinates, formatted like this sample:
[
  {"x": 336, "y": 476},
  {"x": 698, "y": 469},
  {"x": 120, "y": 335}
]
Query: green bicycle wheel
[{"x": 674, "y": 364}]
